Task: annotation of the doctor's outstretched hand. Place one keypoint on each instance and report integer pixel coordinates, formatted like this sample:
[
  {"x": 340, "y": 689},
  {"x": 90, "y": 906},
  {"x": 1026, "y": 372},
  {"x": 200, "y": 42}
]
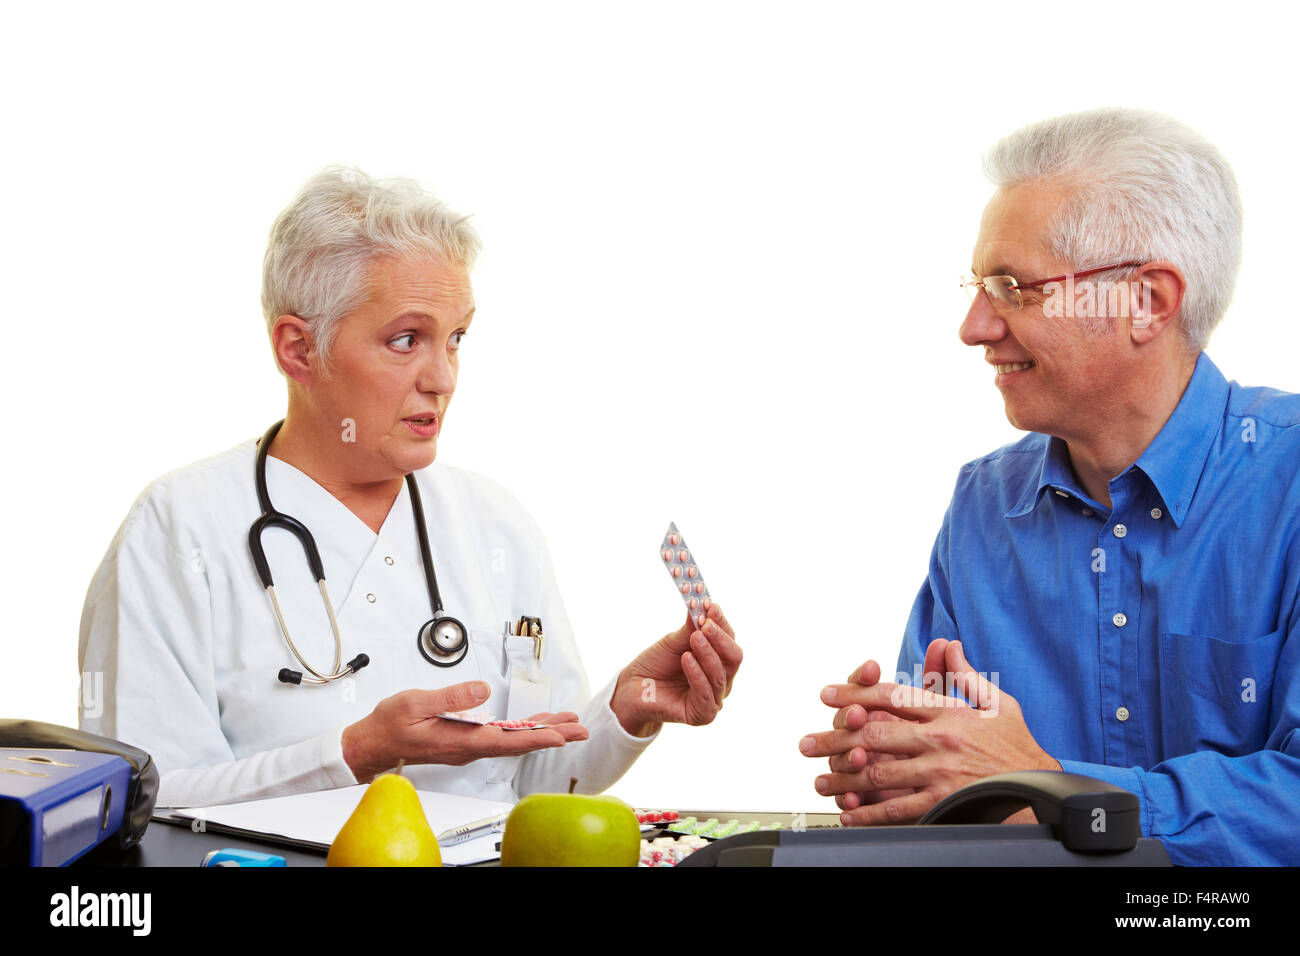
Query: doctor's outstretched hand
[
  {"x": 682, "y": 678},
  {"x": 405, "y": 727}
]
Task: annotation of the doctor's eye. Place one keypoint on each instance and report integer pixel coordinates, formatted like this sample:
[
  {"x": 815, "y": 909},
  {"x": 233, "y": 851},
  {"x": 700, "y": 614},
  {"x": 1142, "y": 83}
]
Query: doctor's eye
[
  {"x": 402, "y": 338},
  {"x": 454, "y": 342}
]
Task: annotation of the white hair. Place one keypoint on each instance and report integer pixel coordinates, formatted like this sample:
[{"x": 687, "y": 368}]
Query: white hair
[
  {"x": 1143, "y": 187},
  {"x": 323, "y": 244}
]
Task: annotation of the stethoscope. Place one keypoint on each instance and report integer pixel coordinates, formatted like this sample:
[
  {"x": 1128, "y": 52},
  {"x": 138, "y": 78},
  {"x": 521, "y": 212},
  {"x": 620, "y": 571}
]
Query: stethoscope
[{"x": 443, "y": 640}]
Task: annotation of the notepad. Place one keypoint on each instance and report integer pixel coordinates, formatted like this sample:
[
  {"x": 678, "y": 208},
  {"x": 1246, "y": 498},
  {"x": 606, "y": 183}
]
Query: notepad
[{"x": 316, "y": 818}]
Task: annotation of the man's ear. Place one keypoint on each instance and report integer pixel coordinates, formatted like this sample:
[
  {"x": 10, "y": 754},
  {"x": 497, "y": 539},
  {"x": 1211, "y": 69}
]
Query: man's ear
[{"x": 1155, "y": 297}]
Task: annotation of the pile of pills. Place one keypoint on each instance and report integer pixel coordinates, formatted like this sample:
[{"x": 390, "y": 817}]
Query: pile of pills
[
  {"x": 686, "y": 574},
  {"x": 688, "y": 834},
  {"x": 667, "y": 851}
]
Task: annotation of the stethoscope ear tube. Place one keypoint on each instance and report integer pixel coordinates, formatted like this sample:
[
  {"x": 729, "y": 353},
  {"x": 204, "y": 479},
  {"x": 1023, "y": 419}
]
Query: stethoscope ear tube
[
  {"x": 271, "y": 518},
  {"x": 274, "y": 519}
]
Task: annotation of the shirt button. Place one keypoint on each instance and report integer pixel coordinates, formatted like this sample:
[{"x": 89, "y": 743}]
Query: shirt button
[
  {"x": 1156, "y": 513},
  {"x": 1119, "y": 531},
  {"x": 1120, "y": 619},
  {"x": 370, "y": 598},
  {"x": 1121, "y": 714},
  {"x": 388, "y": 558},
  {"x": 1088, "y": 512}
]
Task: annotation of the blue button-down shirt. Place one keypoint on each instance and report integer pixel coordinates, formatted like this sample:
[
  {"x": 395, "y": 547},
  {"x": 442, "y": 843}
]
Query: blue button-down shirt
[{"x": 1154, "y": 644}]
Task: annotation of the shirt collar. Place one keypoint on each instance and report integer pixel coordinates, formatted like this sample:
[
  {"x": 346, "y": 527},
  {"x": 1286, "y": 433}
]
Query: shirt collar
[
  {"x": 1176, "y": 457},
  {"x": 1053, "y": 471},
  {"x": 1174, "y": 460}
]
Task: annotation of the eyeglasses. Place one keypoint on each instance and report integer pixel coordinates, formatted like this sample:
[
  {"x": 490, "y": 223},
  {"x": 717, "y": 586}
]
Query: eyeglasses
[{"x": 1004, "y": 291}]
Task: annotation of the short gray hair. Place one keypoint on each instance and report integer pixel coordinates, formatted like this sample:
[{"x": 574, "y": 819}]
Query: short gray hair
[
  {"x": 322, "y": 245},
  {"x": 1145, "y": 187}
]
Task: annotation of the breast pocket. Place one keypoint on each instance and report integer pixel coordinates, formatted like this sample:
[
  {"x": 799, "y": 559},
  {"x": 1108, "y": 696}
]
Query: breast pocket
[
  {"x": 1215, "y": 693},
  {"x": 488, "y": 648}
]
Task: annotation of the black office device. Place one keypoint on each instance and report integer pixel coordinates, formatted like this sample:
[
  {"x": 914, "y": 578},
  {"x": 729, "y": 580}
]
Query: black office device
[
  {"x": 1083, "y": 822},
  {"x": 129, "y": 806}
]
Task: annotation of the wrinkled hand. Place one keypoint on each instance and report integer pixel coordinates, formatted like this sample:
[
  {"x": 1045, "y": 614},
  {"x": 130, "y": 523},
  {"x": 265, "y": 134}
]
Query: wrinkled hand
[
  {"x": 938, "y": 745},
  {"x": 854, "y": 717},
  {"x": 682, "y": 678},
  {"x": 856, "y": 758},
  {"x": 404, "y": 727}
]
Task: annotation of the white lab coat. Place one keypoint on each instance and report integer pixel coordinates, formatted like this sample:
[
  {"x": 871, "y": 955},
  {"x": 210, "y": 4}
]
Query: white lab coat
[{"x": 181, "y": 632}]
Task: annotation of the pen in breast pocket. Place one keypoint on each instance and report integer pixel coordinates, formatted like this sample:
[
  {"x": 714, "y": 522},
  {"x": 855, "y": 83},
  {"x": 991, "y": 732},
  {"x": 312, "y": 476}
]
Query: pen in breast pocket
[{"x": 529, "y": 627}]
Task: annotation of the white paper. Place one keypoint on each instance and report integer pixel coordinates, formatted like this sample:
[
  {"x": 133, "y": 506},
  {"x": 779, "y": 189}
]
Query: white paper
[{"x": 317, "y": 818}]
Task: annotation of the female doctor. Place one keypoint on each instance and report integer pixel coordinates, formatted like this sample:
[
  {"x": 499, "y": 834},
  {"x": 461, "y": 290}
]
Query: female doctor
[{"x": 367, "y": 297}]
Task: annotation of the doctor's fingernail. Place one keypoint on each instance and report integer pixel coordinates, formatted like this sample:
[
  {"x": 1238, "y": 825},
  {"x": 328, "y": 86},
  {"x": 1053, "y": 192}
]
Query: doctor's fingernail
[
  {"x": 822, "y": 784},
  {"x": 828, "y": 693},
  {"x": 807, "y": 744}
]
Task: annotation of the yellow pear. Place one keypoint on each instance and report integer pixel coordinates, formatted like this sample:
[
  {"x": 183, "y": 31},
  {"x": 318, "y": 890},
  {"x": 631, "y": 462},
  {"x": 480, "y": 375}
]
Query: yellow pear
[{"x": 388, "y": 828}]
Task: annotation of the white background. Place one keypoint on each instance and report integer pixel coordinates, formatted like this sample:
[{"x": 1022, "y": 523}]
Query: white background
[{"x": 718, "y": 287}]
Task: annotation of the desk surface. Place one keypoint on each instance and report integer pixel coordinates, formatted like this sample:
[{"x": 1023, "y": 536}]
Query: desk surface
[{"x": 176, "y": 844}]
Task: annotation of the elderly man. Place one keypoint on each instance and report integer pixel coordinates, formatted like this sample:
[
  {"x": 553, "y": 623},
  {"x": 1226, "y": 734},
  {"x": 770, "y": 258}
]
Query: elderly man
[{"x": 1116, "y": 594}]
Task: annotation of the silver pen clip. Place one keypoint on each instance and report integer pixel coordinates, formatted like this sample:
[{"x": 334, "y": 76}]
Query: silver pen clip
[{"x": 472, "y": 831}]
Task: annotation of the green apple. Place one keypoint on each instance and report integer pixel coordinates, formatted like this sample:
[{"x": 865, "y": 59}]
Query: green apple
[{"x": 571, "y": 829}]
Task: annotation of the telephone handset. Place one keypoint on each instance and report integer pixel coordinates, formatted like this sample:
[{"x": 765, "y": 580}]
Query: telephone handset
[{"x": 1086, "y": 815}]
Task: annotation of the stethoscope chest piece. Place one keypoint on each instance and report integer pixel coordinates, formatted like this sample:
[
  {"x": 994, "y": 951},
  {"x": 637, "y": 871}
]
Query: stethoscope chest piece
[{"x": 443, "y": 641}]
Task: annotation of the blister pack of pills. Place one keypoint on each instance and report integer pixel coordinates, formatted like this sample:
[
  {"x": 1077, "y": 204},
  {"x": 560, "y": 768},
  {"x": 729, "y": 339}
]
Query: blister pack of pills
[
  {"x": 715, "y": 829},
  {"x": 484, "y": 719},
  {"x": 686, "y": 574}
]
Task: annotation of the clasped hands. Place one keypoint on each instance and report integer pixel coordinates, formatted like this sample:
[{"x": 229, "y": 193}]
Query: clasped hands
[{"x": 896, "y": 751}]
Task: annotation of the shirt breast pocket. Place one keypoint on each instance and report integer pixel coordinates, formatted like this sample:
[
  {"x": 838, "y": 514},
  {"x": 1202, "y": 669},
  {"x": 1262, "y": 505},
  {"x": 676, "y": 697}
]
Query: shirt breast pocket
[
  {"x": 1215, "y": 693},
  {"x": 488, "y": 648}
]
